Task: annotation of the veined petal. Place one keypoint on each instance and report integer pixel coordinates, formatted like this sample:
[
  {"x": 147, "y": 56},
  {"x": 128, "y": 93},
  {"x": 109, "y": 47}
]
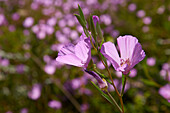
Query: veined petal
[
  {"x": 67, "y": 49},
  {"x": 82, "y": 50},
  {"x": 138, "y": 55},
  {"x": 70, "y": 59},
  {"x": 109, "y": 51},
  {"x": 126, "y": 45}
]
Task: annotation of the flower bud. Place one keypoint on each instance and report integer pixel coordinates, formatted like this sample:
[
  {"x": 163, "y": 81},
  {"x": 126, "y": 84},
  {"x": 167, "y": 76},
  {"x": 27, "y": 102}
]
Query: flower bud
[{"x": 101, "y": 82}]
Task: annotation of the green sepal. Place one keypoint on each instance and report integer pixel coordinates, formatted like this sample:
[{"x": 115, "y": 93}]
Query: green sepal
[
  {"x": 81, "y": 14},
  {"x": 102, "y": 93},
  {"x": 93, "y": 30},
  {"x": 80, "y": 20},
  {"x": 100, "y": 35}
]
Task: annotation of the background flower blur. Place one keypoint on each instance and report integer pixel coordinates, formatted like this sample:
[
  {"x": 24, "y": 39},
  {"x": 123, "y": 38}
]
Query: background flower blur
[{"x": 33, "y": 31}]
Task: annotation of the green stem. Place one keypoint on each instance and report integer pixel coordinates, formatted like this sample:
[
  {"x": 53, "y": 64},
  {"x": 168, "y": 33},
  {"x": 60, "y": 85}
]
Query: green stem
[
  {"x": 114, "y": 102},
  {"x": 124, "y": 83}
]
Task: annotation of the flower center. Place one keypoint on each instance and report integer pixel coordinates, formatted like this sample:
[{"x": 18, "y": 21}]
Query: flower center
[{"x": 124, "y": 61}]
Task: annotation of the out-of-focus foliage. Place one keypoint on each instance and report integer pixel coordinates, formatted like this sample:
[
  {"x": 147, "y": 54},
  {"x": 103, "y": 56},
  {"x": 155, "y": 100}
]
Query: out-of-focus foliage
[{"x": 32, "y": 32}]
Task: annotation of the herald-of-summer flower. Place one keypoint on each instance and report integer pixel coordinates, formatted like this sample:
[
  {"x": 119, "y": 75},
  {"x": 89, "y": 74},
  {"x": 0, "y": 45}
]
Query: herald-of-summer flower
[
  {"x": 77, "y": 55},
  {"x": 130, "y": 51}
]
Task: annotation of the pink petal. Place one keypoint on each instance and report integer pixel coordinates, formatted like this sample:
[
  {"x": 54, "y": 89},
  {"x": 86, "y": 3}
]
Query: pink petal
[
  {"x": 70, "y": 59},
  {"x": 138, "y": 55},
  {"x": 126, "y": 45},
  {"x": 108, "y": 49},
  {"x": 82, "y": 50},
  {"x": 67, "y": 49}
]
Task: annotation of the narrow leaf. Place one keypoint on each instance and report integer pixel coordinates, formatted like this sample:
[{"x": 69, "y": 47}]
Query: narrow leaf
[
  {"x": 81, "y": 14},
  {"x": 80, "y": 20},
  {"x": 103, "y": 94}
]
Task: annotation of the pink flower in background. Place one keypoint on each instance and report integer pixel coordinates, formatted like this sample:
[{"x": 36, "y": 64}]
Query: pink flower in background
[
  {"x": 24, "y": 110},
  {"x": 151, "y": 61},
  {"x": 145, "y": 29},
  {"x": 133, "y": 73},
  {"x": 2, "y": 19},
  {"x": 35, "y": 93},
  {"x": 50, "y": 69},
  {"x": 130, "y": 50},
  {"x": 140, "y": 13},
  {"x": 147, "y": 20},
  {"x": 165, "y": 72},
  {"x": 15, "y": 16},
  {"x": 4, "y": 62},
  {"x": 132, "y": 7},
  {"x": 28, "y": 22},
  {"x": 54, "y": 104},
  {"x": 77, "y": 55},
  {"x": 165, "y": 92}
]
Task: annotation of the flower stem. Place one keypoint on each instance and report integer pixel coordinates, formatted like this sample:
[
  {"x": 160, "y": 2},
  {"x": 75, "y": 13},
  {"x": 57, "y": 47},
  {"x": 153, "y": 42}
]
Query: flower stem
[
  {"x": 114, "y": 102},
  {"x": 117, "y": 92},
  {"x": 124, "y": 83}
]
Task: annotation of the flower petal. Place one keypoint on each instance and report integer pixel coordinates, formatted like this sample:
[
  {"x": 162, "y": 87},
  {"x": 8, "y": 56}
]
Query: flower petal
[
  {"x": 83, "y": 51},
  {"x": 70, "y": 59},
  {"x": 126, "y": 45},
  {"x": 109, "y": 51},
  {"x": 67, "y": 49},
  {"x": 138, "y": 55}
]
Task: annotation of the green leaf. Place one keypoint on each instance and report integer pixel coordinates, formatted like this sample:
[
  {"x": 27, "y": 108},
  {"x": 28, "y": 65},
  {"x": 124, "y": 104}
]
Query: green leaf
[
  {"x": 80, "y": 20},
  {"x": 103, "y": 94},
  {"x": 81, "y": 14},
  {"x": 149, "y": 82}
]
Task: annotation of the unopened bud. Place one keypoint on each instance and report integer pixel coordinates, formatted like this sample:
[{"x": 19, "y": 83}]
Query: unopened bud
[{"x": 101, "y": 82}]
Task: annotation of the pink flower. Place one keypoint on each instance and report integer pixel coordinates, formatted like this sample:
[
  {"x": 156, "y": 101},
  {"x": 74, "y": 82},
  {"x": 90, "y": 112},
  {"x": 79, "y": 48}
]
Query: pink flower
[
  {"x": 50, "y": 69},
  {"x": 165, "y": 92},
  {"x": 54, "y": 104},
  {"x": 78, "y": 55},
  {"x": 28, "y": 22},
  {"x": 35, "y": 93},
  {"x": 130, "y": 50},
  {"x": 151, "y": 61}
]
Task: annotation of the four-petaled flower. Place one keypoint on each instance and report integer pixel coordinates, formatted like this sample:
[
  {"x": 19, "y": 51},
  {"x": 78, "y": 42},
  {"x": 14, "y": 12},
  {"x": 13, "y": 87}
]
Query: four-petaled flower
[{"x": 130, "y": 50}]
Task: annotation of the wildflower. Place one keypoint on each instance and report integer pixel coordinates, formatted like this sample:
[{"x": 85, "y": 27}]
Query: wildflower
[
  {"x": 35, "y": 93},
  {"x": 28, "y": 22},
  {"x": 140, "y": 13},
  {"x": 54, "y": 104},
  {"x": 151, "y": 61},
  {"x": 78, "y": 55},
  {"x": 147, "y": 20},
  {"x": 165, "y": 92},
  {"x": 130, "y": 50}
]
